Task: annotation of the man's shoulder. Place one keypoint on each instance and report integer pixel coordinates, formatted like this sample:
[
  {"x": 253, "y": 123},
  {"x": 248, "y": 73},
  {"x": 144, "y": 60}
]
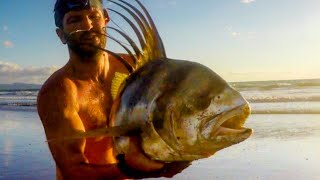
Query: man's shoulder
[
  {"x": 119, "y": 65},
  {"x": 57, "y": 94},
  {"x": 58, "y": 83},
  {"x": 126, "y": 57}
]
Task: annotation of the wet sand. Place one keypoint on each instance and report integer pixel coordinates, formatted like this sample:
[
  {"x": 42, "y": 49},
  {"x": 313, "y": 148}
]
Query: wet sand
[
  {"x": 282, "y": 147},
  {"x": 24, "y": 153}
]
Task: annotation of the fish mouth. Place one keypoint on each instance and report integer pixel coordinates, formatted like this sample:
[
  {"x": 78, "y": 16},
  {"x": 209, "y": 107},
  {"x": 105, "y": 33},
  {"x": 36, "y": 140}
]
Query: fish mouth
[{"x": 228, "y": 124}]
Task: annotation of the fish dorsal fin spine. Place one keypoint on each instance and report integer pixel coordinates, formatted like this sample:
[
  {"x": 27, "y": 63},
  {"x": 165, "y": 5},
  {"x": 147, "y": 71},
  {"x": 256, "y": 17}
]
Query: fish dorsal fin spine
[
  {"x": 117, "y": 81},
  {"x": 116, "y": 131},
  {"x": 151, "y": 46}
]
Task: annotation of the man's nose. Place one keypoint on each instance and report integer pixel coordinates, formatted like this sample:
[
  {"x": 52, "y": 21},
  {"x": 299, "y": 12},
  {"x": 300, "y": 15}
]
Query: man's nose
[{"x": 87, "y": 24}]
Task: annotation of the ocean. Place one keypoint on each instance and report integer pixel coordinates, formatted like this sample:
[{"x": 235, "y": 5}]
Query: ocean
[
  {"x": 282, "y": 97},
  {"x": 18, "y": 99},
  {"x": 265, "y": 97}
]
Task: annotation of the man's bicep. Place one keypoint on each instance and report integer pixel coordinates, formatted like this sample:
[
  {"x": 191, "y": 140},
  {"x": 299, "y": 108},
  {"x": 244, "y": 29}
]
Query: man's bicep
[
  {"x": 58, "y": 112},
  {"x": 60, "y": 119}
]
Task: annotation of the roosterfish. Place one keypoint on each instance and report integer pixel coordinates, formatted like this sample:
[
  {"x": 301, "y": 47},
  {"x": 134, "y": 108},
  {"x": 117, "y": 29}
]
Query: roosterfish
[{"x": 180, "y": 110}]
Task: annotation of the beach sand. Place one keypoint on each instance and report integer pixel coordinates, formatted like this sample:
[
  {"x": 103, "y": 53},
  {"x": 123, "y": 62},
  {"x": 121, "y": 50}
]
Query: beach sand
[
  {"x": 24, "y": 154},
  {"x": 282, "y": 147}
]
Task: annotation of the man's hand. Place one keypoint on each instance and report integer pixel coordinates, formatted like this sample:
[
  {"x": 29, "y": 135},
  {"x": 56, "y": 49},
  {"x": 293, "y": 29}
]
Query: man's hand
[
  {"x": 136, "y": 164},
  {"x": 137, "y": 159},
  {"x": 169, "y": 170},
  {"x": 173, "y": 168}
]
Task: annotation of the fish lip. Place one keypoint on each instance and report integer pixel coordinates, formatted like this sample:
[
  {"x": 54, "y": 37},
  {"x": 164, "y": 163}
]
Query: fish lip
[{"x": 210, "y": 129}]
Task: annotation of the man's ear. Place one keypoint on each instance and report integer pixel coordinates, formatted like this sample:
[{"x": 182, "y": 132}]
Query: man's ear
[
  {"x": 106, "y": 16},
  {"x": 60, "y": 34}
]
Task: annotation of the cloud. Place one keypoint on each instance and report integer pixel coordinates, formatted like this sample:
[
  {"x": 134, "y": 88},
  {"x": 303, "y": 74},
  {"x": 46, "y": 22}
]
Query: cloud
[
  {"x": 8, "y": 44},
  {"x": 5, "y": 28},
  {"x": 247, "y": 1},
  {"x": 235, "y": 34},
  {"x": 12, "y": 73}
]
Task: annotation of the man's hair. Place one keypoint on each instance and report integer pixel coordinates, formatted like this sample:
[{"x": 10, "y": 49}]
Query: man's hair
[{"x": 62, "y": 7}]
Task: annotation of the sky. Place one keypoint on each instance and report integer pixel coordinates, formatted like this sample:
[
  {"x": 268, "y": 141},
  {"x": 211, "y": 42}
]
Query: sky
[{"x": 241, "y": 40}]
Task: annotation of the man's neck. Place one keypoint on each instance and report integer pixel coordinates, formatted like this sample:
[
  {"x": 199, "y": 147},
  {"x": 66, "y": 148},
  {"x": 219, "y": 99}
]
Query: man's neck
[{"x": 90, "y": 69}]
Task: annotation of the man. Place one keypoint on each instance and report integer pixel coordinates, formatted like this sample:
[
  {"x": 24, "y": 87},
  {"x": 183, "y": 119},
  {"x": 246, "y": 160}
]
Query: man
[{"x": 77, "y": 98}]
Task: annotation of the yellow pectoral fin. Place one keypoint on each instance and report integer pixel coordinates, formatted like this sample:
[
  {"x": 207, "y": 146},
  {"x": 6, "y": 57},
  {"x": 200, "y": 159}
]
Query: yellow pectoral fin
[{"x": 117, "y": 81}]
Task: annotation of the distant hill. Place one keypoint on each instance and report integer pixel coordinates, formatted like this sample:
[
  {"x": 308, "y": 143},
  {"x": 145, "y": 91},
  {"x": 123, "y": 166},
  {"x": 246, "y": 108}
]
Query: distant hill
[{"x": 20, "y": 86}]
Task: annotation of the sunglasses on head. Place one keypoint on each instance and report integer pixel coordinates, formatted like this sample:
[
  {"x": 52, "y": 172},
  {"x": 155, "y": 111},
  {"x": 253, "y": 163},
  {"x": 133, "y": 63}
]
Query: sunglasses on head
[{"x": 77, "y": 3}]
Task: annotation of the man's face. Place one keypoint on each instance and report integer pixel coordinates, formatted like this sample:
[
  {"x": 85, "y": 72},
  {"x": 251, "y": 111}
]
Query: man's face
[{"x": 91, "y": 23}]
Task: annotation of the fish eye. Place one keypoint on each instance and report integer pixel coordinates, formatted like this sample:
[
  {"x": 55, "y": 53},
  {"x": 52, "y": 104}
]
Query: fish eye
[
  {"x": 198, "y": 103},
  {"x": 203, "y": 103}
]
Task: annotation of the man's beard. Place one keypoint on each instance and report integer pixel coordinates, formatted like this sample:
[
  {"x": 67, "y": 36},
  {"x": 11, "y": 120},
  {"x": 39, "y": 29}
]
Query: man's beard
[{"x": 79, "y": 46}]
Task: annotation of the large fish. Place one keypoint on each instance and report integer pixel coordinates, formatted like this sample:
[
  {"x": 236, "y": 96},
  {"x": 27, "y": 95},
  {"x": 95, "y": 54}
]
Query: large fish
[{"x": 181, "y": 110}]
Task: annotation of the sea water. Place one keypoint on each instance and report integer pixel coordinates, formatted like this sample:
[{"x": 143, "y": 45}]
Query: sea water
[{"x": 276, "y": 97}]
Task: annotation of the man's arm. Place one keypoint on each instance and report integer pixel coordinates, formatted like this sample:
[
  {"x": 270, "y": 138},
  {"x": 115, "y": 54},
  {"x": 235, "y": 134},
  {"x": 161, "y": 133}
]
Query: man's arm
[{"x": 58, "y": 110}]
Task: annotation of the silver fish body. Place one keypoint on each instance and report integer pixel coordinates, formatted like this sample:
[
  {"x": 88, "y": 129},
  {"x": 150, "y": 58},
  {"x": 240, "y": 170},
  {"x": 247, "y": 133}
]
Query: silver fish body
[{"x": 183, "y": 109}]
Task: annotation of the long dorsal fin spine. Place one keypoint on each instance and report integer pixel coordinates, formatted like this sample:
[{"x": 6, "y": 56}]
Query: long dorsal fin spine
[
  {"x": 116, "y": 131},
  {"x": 153, "y": 26},
  {"x": 124, "y": 47},
  {"x": 153, "y": 48},
  {"x": 151, "y": 41},
  {"x": 119, "y": 58},
  {"x": 132, "y": 43},
  {"x": 135, "y": 29}
]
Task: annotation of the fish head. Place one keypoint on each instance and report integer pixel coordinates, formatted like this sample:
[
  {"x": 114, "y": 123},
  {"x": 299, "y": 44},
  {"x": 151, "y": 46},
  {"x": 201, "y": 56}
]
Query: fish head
[{"x": 204, "y": 115}]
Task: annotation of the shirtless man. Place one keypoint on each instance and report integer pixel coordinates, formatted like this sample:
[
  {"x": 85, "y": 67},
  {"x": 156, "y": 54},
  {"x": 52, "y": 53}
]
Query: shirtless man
[{"x": 77, "y": 97}]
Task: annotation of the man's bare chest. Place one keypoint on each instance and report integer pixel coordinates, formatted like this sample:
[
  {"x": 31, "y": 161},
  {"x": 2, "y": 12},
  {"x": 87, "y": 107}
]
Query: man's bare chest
[{"x": 94, "y": 106}]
